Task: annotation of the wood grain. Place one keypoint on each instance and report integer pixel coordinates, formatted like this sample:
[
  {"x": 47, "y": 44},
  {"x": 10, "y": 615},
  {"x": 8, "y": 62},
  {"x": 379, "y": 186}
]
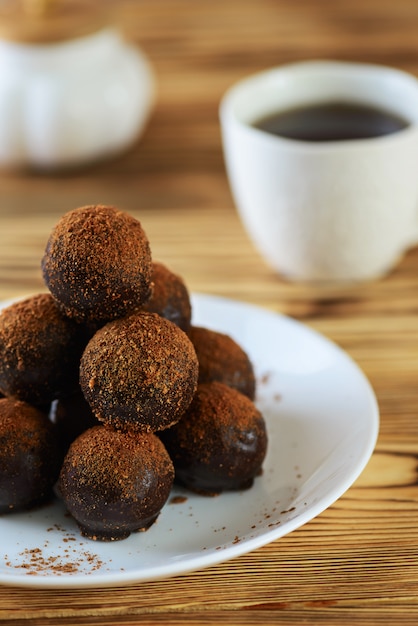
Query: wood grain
[{"x": 358, "y": 561}]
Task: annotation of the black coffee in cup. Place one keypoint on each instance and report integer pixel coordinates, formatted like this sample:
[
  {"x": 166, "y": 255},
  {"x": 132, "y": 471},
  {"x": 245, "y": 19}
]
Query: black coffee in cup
[{"x": 331, "y": 121}]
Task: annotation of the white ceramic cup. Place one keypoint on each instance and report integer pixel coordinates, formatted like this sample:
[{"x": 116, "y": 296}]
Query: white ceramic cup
[{"x": 326, "y": 211}]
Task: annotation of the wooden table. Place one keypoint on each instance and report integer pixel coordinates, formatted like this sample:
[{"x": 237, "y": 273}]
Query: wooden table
[{"x": 358, "y": 561}]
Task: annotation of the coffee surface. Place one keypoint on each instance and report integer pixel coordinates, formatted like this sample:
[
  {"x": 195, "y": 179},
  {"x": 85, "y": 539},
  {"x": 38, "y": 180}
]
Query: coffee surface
[{"x": 331, "y": 121}]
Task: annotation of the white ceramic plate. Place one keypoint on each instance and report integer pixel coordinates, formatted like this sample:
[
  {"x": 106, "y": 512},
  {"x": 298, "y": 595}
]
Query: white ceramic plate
[{"x": 322, "y": 420}]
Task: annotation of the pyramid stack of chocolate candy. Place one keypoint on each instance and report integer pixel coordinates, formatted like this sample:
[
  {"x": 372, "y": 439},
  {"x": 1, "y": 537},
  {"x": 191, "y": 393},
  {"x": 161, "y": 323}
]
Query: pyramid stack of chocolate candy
[{"x": 111, "y": 394}]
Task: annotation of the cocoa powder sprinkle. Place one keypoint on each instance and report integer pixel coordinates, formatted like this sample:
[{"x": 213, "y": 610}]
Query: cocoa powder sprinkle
[{"x": 34, "y": 562}]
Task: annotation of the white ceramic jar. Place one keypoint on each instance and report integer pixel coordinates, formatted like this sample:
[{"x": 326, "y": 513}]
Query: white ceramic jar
[{"x": 70, "y": 102}]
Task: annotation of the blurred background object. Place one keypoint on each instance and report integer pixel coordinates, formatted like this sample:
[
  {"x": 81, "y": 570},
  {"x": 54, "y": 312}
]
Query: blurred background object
[{"x": 72, "y": 90}]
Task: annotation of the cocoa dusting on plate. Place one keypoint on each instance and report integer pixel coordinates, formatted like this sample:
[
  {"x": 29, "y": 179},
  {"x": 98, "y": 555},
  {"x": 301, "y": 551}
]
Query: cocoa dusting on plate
[
  {"x": 265, "y": 378},
  {"x": 34, "y": 562},
  {"x": 178, "y": 500}
]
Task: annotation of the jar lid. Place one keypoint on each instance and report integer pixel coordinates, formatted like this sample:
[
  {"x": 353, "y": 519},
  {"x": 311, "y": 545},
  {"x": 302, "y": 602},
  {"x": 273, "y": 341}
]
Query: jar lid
[{"x": 52, "y": 21}]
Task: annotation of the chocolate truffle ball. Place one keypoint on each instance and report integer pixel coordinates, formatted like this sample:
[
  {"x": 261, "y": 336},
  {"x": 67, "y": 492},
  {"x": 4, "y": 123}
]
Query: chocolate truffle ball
[
  {"x": 40, "y": 351},
  {"x": 139, "y": 372},
  {"x": 97, "y": 264},
  {"x": 222, "y": 359},
  {"x": 114, "y": 483},
  {"x": 220, "y": 443},
  {"x": 170, "y": 297},
  {"x": 29, "y": 456},
  {"x": 72, "y": 416}
]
